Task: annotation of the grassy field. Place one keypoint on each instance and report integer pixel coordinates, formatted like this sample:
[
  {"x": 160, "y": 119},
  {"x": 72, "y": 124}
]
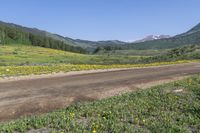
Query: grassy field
[
  {"x": 172, "y": 107},
  {"x": 17, "y": 60},
  {"x": 31, "y": 55},
  {"x": 135, "y": 52}
]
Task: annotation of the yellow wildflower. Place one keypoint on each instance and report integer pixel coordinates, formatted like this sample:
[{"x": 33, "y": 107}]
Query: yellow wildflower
[
  {"x": 94, "y": 130},
  {"x": 72, "y": 114}
]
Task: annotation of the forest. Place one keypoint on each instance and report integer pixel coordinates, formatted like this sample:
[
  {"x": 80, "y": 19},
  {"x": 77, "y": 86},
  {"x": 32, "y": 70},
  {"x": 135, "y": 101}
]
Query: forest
[{"x": 9, "y": 35}]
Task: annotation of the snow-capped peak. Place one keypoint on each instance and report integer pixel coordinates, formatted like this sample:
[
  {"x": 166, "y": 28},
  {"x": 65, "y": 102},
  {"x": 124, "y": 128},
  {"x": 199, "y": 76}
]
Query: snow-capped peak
[{"x": 153, "y": 37}]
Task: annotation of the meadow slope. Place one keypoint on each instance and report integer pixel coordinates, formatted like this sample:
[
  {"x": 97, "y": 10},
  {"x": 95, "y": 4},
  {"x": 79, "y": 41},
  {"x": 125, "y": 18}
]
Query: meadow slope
[
  {"x": 18, "y": 60},
  {"x": 20, "y": 55}
]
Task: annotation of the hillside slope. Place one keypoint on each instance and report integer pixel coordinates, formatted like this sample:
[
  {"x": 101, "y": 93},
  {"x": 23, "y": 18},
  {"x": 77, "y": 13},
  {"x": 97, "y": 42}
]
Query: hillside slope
[
  {"x": 20, "y": 55},
  {"x": 12, "y": 33},
  {"x": 85, "y": 44},
  {"x": 190, "y": 37}
]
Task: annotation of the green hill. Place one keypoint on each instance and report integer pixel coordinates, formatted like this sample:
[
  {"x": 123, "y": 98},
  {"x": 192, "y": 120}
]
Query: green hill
[
  {"x": 191, "y": 37},
  {"x": 193, "y": 30},
  {"x": 12, "y": 33}
]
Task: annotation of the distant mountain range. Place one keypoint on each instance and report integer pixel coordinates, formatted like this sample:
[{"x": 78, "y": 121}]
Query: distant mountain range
[
  {"x": 152, "y": 37},
  {"x": 74, "y": 42},
  {"x": 150, "y": 42}
]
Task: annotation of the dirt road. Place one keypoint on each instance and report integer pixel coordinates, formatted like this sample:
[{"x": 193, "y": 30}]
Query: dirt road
[{"x": 35, "y": 96}]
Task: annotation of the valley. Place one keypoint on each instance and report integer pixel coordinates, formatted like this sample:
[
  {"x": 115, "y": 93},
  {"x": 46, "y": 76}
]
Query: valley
[{"x": 52, "y": 83}]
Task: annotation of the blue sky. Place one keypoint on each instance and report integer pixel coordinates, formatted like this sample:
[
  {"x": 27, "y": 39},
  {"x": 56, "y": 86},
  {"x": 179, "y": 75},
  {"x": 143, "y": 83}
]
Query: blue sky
[{"x": 104, "y": 19}]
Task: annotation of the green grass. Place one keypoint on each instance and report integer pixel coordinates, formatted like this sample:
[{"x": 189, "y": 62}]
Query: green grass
[
  {"x": 157, "y": 109},
  {"x": 135, "y": 52},
  {"x": 31, "y": 55},
  {"x": 17, "y": 60}
]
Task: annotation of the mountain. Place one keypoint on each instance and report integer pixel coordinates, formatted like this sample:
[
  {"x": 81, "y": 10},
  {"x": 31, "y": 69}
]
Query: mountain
[
  {"x": 191, "y": 37},
  {"x": 193, "y": 30},
  {"x": 88, "y": 43},
  {"x": 152, "y": 37},
  {"x": 17, "y": 34},
  {"x": 12, "y": 33},
  {"x": 89, "y": 46}
]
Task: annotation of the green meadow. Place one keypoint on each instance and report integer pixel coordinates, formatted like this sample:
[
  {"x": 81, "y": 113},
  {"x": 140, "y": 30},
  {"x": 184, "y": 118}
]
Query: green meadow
[{"x": 20, "y": 55}]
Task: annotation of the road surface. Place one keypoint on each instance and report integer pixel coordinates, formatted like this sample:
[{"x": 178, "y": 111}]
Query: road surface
[{"x": 36, "y": 96}]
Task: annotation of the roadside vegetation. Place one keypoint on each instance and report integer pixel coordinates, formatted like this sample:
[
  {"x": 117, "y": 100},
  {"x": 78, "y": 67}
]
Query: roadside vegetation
[
  {"x": 7, "y": 71},
  {"x": 172, "y": 107}
]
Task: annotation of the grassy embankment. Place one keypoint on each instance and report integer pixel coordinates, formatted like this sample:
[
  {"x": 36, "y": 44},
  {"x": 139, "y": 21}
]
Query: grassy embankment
[{"x": 173, "y": 107}]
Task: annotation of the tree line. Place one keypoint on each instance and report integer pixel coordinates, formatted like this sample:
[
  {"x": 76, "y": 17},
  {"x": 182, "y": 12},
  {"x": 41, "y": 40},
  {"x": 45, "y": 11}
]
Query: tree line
[{"x": 9, "y": 35}]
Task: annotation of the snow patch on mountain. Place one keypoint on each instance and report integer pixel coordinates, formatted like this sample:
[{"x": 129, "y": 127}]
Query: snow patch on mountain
[{"x": 152, "y": 37}]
